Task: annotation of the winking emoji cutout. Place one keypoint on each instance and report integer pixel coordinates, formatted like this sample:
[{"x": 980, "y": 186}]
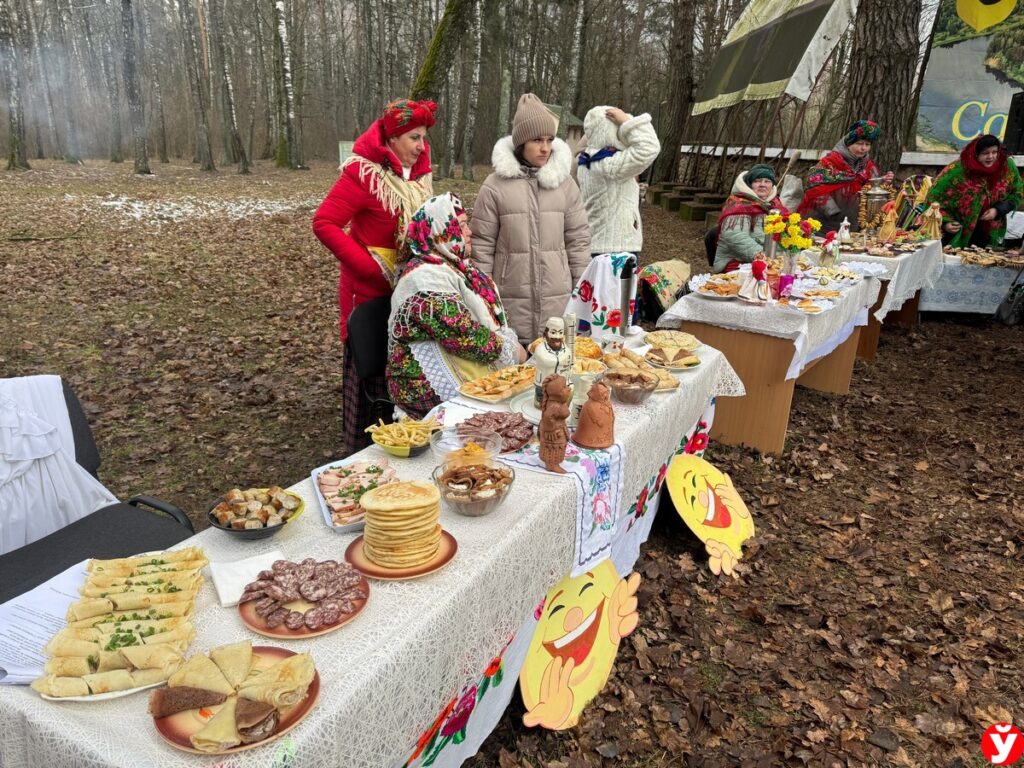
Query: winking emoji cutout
[{"x": 712, "y": 508}]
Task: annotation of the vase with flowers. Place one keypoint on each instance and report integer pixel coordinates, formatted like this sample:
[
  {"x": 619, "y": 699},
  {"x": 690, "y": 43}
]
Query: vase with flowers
[{"x": 793, "y": 234}]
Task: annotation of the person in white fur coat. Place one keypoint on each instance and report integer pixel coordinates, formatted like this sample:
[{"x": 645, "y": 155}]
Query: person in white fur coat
[{"x": 619, "y": 148}]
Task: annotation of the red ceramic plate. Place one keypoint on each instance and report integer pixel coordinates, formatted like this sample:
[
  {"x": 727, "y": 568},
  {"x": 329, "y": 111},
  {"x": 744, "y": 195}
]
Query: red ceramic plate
[
  {"x": 176, "y": 729},
  {"x": 355, "y": 555},
  {"x": 257, "y": 623}
]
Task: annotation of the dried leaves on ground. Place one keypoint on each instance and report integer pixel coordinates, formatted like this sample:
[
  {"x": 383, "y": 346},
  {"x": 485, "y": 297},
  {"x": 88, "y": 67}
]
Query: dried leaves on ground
[{"x": 878, "y": 620}]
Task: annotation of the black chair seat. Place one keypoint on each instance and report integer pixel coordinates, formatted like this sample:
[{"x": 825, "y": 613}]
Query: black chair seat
[{"x": 120, "y": 530}]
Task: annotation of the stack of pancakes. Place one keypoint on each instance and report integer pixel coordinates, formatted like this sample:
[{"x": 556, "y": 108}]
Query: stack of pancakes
[{"x": 402, "y": 528}]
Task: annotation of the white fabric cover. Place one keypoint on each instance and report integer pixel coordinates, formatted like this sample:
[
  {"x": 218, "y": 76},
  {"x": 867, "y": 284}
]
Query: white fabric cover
[
  {"x": 808, "y": 332},
  {"x": 385, "y": 676},
  {"x": 42, "y": 488},
  {"x": 908, "y": 273},
  {"x": 967, "y": 288}
]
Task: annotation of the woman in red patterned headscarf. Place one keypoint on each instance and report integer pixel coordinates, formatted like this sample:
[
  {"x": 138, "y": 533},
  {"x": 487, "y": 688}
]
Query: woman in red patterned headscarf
[{"x": 363, "y": 220}]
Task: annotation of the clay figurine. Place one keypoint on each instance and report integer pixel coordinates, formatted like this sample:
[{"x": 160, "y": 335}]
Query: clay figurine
[
  {"x": 553, "y": 434},
  {"x": 596, "y": 428},
  {"x": 551, "y": 356},
  {"x": 844, "y": 231},
  {"x": 931, "y": 223}
]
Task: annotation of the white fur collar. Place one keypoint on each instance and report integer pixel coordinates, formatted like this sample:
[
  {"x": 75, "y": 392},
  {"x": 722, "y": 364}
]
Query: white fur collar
[{"x": 550, "y": 176}]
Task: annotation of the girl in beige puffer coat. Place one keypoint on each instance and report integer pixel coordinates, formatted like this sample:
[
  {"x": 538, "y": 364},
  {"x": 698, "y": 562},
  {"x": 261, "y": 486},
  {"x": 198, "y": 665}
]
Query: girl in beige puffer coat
[{"x": 529, "y": 225}]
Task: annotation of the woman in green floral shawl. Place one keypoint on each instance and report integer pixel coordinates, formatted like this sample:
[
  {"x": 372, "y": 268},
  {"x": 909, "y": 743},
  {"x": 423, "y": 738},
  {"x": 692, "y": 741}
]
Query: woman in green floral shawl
[
  {"x": 976, "y": 193},
  {"x": 447, "y": 322}
]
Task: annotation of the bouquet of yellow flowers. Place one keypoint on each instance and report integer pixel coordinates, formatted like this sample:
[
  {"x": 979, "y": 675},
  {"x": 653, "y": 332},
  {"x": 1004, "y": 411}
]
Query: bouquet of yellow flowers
[{"x": 793, "y": 232}]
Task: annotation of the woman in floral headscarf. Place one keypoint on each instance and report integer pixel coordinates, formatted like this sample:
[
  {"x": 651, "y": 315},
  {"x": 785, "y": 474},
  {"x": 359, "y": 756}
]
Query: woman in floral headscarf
[
  {"x": 976, "y": 193},
  {"x": 832, "y": 187},
  {"x": 447, "y": 322}
]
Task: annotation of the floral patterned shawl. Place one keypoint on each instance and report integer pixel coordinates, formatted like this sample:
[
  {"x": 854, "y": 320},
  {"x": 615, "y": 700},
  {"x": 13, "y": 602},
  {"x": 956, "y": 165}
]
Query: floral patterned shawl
[
  {"x": 435, "y": 237},
  {"x": 837, "y": 172},
  {"x": 966, "y": 189}
]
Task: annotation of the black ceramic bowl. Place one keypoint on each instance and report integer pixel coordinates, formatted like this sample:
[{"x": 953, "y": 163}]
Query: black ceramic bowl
[{"x": 251, "y": 534}]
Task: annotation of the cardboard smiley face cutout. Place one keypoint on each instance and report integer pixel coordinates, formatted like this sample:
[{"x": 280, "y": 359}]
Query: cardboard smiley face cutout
[
  {"x": 574, "y": 645},
  {"x": 712, "y": 508}
]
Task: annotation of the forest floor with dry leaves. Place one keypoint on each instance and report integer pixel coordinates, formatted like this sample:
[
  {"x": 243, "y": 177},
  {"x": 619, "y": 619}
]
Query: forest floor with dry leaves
[{"x": 879, "y": 619}]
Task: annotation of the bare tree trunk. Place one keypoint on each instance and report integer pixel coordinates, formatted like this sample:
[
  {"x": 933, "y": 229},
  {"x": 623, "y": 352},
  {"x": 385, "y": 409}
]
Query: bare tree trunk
[
  {"x": 505, "y": 92},
  {"x": 110, "y": 75},
  {"x": 192, "y": 68},
  {"x": 581, "y": 49},
  {"x": 228, "y": 91},
  {"x": 442, "y": 49},
  {"x": 474, "y": 94},
  {"x": 680, "y": 95},
  {"x": 136, "y": 110},
  {"x": 44, "y": 76},
  {"x": 264, "y": 79},
  {"x": 61, "y": 12},
  {"x": 291, "y": 156},
  {"x": 629, "y": 60},
  {"x": 882, "y": 67},
  {"x": 16, "y": 158}
]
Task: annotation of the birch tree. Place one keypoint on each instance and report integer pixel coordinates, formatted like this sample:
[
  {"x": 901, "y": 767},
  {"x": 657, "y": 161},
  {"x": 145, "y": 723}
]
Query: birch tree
[
  {"x": 12, "y": 79},
  {"x": 287, "y": 156},
  {"x": 227, "y": 89},
  {"x": 474, "y": 92}
]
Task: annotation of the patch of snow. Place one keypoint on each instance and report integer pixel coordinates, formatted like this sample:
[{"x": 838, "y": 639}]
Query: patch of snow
[{"x": 157, "y": 212}]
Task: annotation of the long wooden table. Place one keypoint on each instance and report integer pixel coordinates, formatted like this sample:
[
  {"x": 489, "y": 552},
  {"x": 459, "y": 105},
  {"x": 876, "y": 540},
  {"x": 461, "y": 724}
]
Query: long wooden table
[{"x": 773, "y": 350}]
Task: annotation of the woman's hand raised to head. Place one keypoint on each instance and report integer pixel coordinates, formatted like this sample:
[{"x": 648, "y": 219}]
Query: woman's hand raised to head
[
  {"x": 889, "y": 176},
  {"x": 616, "y": 115}
]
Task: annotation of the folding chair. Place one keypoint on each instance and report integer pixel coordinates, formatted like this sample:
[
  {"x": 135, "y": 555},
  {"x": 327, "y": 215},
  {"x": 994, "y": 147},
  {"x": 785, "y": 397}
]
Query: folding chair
[{"x": 117, "y": 530}]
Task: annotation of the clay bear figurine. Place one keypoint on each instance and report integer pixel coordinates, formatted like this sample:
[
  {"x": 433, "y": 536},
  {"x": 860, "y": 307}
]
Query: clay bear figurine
[{"x": 553, "y": 434}]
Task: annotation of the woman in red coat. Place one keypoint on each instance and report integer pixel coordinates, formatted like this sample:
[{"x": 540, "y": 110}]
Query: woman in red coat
[{"x": 363, "y": 221}]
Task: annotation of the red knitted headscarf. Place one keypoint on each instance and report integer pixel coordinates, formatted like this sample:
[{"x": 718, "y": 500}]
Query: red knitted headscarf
[
  {"x": 402, "y": 115},
  {"x": 969, "y": 157}
]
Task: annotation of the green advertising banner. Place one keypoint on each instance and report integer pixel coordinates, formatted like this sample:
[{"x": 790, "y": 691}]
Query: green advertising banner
[{"x": 971, "y": 74}]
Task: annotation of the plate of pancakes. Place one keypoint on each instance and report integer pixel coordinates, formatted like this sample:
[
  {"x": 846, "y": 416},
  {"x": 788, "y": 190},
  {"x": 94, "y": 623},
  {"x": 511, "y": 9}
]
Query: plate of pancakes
[{"x": 402, "y": 537}]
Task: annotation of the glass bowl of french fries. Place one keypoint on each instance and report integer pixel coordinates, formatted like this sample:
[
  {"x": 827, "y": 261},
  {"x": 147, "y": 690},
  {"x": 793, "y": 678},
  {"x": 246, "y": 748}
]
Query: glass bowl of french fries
[
  {"x": 451, "y": 447},
  {"x": 404, "y": 438},
  {"x": 631, "y": 387}
]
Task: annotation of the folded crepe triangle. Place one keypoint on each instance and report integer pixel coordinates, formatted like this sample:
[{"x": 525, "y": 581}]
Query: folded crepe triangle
[{"x": 201, "y": 672}]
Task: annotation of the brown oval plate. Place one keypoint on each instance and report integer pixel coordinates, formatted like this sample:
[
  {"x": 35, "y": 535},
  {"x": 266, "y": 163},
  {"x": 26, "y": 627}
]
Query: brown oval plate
[
  {"x": 257, "y": 624},
  {"x": 355, "y": 556},
  {"x": 177, "y": 729}
]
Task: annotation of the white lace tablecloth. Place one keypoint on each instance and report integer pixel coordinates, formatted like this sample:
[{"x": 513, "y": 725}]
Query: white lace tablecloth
[
  {"x": 908, "y": 274},
  {"x": 967, "y": 288},
  {"x": 383, "y": 675},
  {"x": 813, "y": 335}
]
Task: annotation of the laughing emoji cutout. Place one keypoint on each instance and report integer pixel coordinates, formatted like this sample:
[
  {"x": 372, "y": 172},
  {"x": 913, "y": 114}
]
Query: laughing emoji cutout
[
  {"x": 574, "y": 645},
  {"x": 710, "y": 505}
]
